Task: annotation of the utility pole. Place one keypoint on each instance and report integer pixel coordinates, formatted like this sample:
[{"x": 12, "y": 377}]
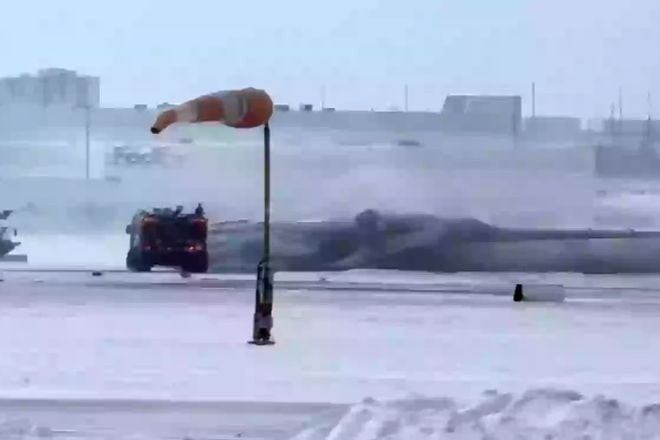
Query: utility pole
[
  {"x": 322, "y": 97},
  {"x": 533, "y": 100},
  {"x": 87, "y": 123},
  {"x": 620, "y": 112},
  {"x": 649, "y": 122},
  {"x": 263, "y": 308}
]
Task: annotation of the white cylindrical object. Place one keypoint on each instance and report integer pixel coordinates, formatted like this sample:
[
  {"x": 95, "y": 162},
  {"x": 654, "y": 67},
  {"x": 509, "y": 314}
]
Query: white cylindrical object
[
  {"x": 543, "y": 293},
  {"x": 235, "y": 106}
]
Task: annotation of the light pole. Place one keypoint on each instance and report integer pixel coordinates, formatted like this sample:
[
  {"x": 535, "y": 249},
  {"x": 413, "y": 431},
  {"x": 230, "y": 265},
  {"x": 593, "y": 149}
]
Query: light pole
[
  {"x": 87, "y": 109},
  {"x": 87, "y": 122}
]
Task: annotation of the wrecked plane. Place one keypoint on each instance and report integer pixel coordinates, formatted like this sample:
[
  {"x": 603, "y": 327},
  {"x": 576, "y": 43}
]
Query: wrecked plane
[{"x": 420, "y": 242}]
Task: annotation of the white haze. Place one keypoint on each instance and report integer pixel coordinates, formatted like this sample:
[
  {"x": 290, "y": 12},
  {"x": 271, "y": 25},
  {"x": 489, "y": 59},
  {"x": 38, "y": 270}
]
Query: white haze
[{"x": 316, "y": 175}]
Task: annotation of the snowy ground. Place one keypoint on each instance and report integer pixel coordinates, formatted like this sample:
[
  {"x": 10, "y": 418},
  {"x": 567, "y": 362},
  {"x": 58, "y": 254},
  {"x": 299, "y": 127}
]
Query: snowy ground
[{"x": 339, "y": 340}]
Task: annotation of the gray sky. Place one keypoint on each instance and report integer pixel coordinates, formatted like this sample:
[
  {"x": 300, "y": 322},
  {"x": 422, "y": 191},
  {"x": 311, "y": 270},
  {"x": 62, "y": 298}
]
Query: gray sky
[{"x": 578, "y": 51}]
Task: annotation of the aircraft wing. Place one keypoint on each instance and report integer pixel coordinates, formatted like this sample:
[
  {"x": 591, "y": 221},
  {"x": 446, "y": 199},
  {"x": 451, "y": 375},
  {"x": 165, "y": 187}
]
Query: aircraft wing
[
  {"x": 403, "y": 242},
  {"x": 508, "y": 235}
]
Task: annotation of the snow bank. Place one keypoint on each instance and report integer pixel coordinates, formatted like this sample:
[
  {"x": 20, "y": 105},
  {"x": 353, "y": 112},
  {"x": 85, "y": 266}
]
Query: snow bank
[
  {"x": 537, "y": 414},
  {"x": 23, "y": 429}
]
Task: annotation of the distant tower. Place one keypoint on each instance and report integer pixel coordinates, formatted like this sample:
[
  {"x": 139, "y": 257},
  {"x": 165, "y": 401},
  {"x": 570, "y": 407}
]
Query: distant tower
[
  {"x": 612, "y": 121},
  {"x": 620, "y": 112},
  {"x": 533, "y": 100},
  {"x": 648, "y": 136},
  {"x": 322, "y": 97}
]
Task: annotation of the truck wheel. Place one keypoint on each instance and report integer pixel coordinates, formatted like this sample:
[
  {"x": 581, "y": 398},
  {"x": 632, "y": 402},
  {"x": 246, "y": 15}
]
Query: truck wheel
[
  {"x": 136, "y": 262},
  {"x": 198, "y": 264},
  {"x": 144, "y": 267},
  {"x": 130, "y": 261}
]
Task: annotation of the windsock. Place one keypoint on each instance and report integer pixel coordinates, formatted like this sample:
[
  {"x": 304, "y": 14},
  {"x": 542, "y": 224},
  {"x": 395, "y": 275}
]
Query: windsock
[{"x": 244, "y": 108}]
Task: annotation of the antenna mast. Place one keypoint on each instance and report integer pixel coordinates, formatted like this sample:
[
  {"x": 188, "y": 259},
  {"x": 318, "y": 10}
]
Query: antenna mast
[
  {"x": 649, "y": 120},
  {"x": 620, "y": 112},
  {"x": 612, "y": 121},
  {"x": 322, "y": 97}
]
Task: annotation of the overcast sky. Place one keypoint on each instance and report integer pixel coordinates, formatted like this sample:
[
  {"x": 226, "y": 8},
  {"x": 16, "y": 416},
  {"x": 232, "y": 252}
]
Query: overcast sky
[{"x": 579, "y": 52}]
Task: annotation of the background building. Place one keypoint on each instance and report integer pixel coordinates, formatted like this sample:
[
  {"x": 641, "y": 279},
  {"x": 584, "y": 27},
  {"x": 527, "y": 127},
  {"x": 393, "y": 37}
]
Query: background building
[
  {"x": 482, "y": 114},
  {"x": 50, "y": 104},
  {"x": 553, "y": 127},
  {"x": 51, "y": 87}
]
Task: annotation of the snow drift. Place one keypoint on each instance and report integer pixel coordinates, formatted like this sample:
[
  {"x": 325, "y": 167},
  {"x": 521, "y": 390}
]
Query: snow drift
[{"x": 536, "y": 414}]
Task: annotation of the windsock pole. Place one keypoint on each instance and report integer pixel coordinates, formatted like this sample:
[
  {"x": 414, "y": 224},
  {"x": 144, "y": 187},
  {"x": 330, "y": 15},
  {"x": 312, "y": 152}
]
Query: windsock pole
[
  {"x": 263, "y": 313},
  {"x": 267, "y": 192},
  {"x": 244, "y": 108}
]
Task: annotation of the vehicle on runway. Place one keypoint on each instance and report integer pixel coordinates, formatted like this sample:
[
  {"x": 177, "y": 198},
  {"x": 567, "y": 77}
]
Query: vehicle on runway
[
  {"x": 166, "y": 237},
  {"x": 6, "y": 244}
]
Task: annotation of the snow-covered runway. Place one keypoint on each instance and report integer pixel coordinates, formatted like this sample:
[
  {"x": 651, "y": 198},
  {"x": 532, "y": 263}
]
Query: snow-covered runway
[
  {"x": 132, "y": 420},
  {"x": 340, "y": 338}
]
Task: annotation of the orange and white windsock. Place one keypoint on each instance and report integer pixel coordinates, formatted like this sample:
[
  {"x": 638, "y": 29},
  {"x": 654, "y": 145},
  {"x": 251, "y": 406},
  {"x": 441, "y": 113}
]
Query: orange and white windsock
[{"x": 244, "y": 108}]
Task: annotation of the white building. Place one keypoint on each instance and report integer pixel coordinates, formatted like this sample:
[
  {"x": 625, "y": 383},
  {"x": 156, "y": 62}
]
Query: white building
[
  {"x": 51, "y": 87},
  {"x": 471, "y": 114}
]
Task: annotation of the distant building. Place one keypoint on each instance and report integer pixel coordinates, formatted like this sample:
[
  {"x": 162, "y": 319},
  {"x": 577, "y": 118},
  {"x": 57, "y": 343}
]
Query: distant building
[
  {"x": 23, "y": 89},
  {"x": 631, "y": 127},
  {"x": 51, "y": 87},
  {"x": 482, "y": 114},
  {"x": 553, "y": 127}
]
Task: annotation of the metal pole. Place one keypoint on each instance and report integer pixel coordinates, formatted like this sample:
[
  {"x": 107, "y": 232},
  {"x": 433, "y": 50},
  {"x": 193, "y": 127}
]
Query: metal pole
[
  {"x": 649, "y": 121},
  {"x": 87, "y": 110},
  {"x": 620, "y": 113},
  {"x": 263, "y": 308},
  {"x": 322, "y": 97},
  {"x": 517, "y": 105},
  {"x": 612, "y": 121},
  {"x": 266, "y": 256}
]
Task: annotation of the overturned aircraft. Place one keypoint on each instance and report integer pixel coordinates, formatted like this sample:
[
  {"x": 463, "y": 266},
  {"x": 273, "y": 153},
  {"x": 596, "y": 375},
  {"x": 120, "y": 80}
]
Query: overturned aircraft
[{"x": 420, "y": 242}]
